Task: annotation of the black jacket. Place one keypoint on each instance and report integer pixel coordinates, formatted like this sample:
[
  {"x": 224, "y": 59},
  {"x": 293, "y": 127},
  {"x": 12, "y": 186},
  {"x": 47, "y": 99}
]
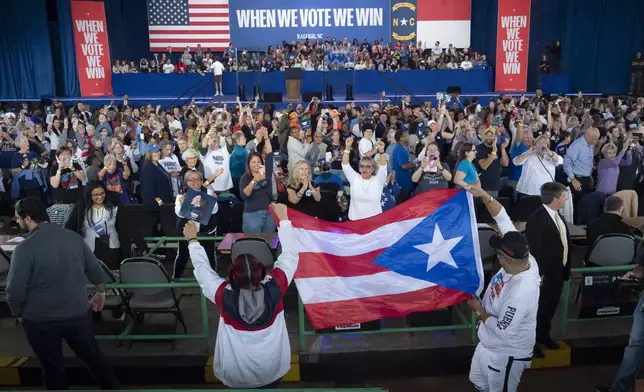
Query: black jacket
[
  {"x": 607, "y": 224},
  {"x": 545, "y": 245}
]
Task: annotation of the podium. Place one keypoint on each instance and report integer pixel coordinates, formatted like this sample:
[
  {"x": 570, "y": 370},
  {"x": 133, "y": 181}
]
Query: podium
[{"x": 293, "y": 77}]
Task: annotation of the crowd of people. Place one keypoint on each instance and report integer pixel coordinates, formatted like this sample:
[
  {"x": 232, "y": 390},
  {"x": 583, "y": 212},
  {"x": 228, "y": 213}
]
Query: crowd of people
[
  {"x": 319, "y": 55},
  {"x": 336, "y": 163}
]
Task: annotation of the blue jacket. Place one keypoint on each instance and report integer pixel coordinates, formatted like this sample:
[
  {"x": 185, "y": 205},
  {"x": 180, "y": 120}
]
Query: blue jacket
[
  {"x": 155, "y": 182},
  {"x": 27, "y": 174}
]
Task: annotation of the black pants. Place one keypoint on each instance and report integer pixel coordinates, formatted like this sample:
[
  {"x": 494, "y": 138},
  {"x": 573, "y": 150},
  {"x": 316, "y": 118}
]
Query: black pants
[
  {"x": 274, "y": 385},
  {"x": 111, "y": 257},
  {"x": 551, "y": 287},
  {"x": 46, "y": 339},
  {"x": 586, "y": 183},
  {"x": 182, "y": 257}
]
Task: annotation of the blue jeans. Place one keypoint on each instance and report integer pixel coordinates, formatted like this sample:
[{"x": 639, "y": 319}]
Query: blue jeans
[
  {"x": 633, "y": 354},
  {"x": 258, "y": 222}
]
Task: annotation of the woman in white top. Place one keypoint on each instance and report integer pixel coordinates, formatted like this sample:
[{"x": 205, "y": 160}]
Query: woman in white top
[
  {"x": 539, "y": 165},
  {"x": 366, "y": 187},
  {"x": 95, "y": 218},
  {"x": 216, "y": 163},
  {"x": 367, "y": 146},
  {"x": 170, "y": 163}
]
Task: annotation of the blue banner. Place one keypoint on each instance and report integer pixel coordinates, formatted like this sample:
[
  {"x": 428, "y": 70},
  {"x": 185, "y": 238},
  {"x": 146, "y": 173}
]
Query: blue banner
[{"x": 252, "y": 26}]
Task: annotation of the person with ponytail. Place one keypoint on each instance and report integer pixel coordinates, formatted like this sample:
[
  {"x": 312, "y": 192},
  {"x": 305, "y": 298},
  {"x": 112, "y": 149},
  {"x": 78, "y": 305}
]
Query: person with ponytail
[{"x": 252, "y": 349}]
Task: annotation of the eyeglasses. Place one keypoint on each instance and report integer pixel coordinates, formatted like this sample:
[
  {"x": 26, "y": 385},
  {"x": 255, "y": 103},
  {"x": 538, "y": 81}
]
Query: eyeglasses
[
  {"x": 102, "y": 194},
  {"x": 365, "y": 166},
  {"x": 193, "y": 180}
]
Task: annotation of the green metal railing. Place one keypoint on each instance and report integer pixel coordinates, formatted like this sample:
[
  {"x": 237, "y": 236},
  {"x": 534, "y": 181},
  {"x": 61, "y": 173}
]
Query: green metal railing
[
  {"x": 159, "y": 241},
  {"x": 250, "y": 390},
  {"x": 465, "y": 324},
  {"x": 565, "y": 320}
]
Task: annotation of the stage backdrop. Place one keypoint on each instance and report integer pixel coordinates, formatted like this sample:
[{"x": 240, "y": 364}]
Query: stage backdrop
[
  {"x": 294, "y": 20},
  {"x": 92, "y": 48},
  {"x": 513, "y": 35}
]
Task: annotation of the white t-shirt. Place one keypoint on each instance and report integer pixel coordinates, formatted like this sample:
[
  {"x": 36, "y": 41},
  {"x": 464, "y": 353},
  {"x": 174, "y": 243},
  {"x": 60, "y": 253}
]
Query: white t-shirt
[
  {"x": 365, "y": 146},
  {"x": 214, "y": 160},
  {"x": 171, "y": 164},
  {"x": 512, "y": 302},
  {"x": 168, "y": 68},
  {"x": 217, "y": 68},
  {"x": 365, "y": 194},
  {"x": 534, "y": 174}
]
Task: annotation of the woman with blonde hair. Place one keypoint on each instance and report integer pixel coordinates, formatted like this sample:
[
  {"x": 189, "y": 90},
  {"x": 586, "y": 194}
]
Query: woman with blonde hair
[
  {"x": 539, "y": 165},
  {"x": 302, "y": 194},
  {"x": 608, "y": 166}
]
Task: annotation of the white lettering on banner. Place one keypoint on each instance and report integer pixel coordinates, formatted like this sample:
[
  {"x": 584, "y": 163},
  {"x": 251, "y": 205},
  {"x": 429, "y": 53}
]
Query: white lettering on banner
[
  {"x": 91, "y": 48},
  {"x": 513, "y": 43},
  {"x": 310, "y": 17}
]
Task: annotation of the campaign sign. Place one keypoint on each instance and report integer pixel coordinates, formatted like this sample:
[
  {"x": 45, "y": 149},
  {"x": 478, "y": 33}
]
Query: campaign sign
[
  {"x": 254, "y": 23},
  {"x": 198, "y": 206}
]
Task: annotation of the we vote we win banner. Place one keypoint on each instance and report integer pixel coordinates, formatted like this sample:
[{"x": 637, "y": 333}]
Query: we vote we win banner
[
  {"x": 513, "y": 35},
  {"x": 92, "y": 48}
]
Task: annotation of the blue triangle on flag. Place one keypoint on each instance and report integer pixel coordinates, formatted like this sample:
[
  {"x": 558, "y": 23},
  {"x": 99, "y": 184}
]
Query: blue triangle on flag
[{"x": 452, "y": 257}]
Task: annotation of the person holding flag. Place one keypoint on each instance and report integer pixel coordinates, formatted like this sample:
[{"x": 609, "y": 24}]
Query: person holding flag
[{"x": 508, "y": 311}]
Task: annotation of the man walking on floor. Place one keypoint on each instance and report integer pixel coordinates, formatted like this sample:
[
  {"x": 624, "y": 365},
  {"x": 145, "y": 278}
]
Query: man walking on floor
[{"x": 47, "y": 292}]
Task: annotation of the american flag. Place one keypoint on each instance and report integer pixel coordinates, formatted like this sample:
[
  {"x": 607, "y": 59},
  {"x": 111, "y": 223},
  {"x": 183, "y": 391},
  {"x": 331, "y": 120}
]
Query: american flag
[{"x": 181, "y": 23}]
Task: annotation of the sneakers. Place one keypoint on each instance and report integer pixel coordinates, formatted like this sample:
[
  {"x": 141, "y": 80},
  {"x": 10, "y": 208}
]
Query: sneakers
[{"x": 217, "y": 93}]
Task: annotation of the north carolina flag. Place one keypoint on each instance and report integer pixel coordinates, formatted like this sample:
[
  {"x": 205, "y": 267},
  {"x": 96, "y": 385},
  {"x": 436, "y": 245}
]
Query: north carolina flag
[
  {"x": 422, "y": 255},
  {"x": 447, "y": 21}
]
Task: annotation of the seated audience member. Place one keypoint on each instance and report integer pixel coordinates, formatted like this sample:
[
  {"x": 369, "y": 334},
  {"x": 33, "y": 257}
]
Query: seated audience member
[
  {"x": 95, "y": 218},
  {"x": 113, "y": 178},
  {"x": 66, "y": 178},
  {"x": 302, "y": 195},
  {"x": 28, "y": 179},
  {"x": 194, "y": 180},
  {"x": 432, "y": 173},
  {"x": 608, "y": 167},
  {"x": 539, "y": 165},
  {"x": 465, "y": 170},
  {"x": 156, "y": 185},
  {"x": 366, "y": 187},
  {"x": 256, "y": 189},
  {"x": 610, "y": 222}
]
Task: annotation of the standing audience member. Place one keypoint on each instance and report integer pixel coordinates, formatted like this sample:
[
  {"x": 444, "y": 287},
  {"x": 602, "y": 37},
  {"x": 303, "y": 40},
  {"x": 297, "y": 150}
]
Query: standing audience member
[
  {"x": 193, "y": 180},
  {"x": 578, "y": 163},
  {"x": 216, "y": 163},
  {"x": 297, "y": 147},
  {"x": 28, "y": 180},
  {"x": 550, "y": 245},
  {"x": 302, "y": 195},
  {"x": 401, "y": 163},
  {"x": 256, "y": 189},
  {"x": 114, "y": 179},
  {"x": 490, "y": 161},
  {"x": 66, "y": 178},
  {"x": 608, "y": 167},
  {"x": 47, "y": 292},
  {"x": 432, "y": 174},
  {"x": 170, "y": 163},
  {"x": 466, "y": 174},
  {"x": 156, "y": 185},
  {"x": 538, "y": 167},
  {"x": 366, "y": 187},
  {"x": 95, "y": 218}
]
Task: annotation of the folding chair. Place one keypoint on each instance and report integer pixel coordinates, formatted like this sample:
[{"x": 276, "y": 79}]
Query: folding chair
[
  {"x": 117, "y": 300},
  {"x": 257, "y": 247},
  {"x": 152, "y": 300}
]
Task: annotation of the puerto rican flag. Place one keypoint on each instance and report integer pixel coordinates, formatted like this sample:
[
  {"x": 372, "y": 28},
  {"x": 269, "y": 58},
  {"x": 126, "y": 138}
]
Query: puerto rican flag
[
  {"x": 420, "y": 256},
  {"x": 447, "y": 21}
]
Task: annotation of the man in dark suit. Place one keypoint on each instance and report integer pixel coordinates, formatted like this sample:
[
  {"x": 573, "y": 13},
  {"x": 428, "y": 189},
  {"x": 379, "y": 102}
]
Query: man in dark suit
[
  {"x": 610, "y": 222},
  {"x": 550, "y": 245}
]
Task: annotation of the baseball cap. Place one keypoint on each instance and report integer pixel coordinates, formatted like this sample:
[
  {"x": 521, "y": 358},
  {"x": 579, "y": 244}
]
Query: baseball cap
[
  {"x": 154, "y": 148},
  {"x": 513, "y": 244}
]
